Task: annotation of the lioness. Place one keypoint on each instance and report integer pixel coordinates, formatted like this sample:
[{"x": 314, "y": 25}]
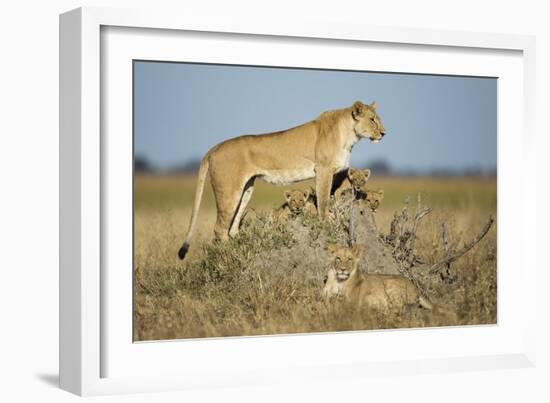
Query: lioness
[
  {"x": 355, "y": 179},
  {"x": 317, "y": 149},
  {"x": 297, "y": 201},
  {"x": 378, "y": 291}
]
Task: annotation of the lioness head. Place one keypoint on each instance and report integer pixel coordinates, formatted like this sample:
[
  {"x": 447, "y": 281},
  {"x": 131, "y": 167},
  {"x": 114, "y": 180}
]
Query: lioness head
[
  {"x": 296, "y": 200},
  {"x": 344, "y": 261},
  {"x": 367, "y": 123},
  {"x": 373, "y": 198},
  {"x": 358, "y": 178}
]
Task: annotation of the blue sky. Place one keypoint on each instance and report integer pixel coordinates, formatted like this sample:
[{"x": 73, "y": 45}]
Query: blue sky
[{"x": 432, "y": 122}]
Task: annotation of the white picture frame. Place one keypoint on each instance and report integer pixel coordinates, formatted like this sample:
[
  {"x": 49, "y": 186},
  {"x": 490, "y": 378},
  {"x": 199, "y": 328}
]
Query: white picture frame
[{"x": 90, "y": 339}]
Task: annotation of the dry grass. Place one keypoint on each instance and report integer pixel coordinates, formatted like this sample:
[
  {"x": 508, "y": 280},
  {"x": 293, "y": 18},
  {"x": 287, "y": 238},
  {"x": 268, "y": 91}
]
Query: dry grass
[{"x": 268, "y": 280}]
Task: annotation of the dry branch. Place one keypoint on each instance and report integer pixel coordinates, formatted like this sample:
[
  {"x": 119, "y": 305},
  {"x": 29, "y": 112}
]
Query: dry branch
[
  {"x": 394, "y": 253},
  {"x": 404, "y": 218},
  {"x": 466, "y": 248},
  {"x": 421, "y": 213},
  {"x": 446, "y": 274},
  {"x": 418, "y": 216}
]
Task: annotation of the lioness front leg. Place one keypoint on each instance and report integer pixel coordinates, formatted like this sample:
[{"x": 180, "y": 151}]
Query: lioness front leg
[{"x": 323, "y": 184}]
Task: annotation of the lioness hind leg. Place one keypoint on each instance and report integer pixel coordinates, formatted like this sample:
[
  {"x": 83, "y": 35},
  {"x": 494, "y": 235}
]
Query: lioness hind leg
[
  {"x": 223, "y": 222},
  {"x": 226, "y": 203},
  {"x": 247, "y": 194}
]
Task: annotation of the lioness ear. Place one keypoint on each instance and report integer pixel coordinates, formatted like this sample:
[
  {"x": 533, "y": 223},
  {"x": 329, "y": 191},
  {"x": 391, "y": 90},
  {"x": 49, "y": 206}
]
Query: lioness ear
[
  {"x": 373, "y": 105},
  {"x": 357, "y": 250},
  {"x": 357, "y": 109},
  {"x": 287, "y": 195},
  {"x": 351, "y": 172},
  {"x": 381, "y": 192},
  {"x": 331, "y": 248},
  {"x": 367, "y": 173},
  {"x": 306, "y": 194}
]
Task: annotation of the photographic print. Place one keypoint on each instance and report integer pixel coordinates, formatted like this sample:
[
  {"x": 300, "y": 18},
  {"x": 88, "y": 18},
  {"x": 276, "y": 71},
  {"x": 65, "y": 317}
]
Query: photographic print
[{"x": 271, "y": 200}]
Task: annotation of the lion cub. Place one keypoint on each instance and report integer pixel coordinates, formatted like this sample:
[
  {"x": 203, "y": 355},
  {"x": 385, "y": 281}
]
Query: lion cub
[
  {"x": 372, "y": 197},
  {"x": 354, "y": 179},
  {"x": 297, "y": 201},
  {"x": 378, "y": 291}
]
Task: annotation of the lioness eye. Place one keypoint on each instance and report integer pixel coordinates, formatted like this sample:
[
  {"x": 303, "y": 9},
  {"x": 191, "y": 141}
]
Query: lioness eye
[
  {"x": 349, "y": 259},
  {"x": 337, "y": 259}
]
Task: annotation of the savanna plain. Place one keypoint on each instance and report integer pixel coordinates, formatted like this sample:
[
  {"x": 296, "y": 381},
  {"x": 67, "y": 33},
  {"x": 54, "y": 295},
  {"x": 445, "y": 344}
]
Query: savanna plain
[{"x": 268, "y": 280}]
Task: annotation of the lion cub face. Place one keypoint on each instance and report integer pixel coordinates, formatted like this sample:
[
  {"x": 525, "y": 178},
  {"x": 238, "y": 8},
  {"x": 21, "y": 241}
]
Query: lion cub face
[
  {"x": 358, "y": 178},
  {"x": 344, "y": 261},
  {"x": 296, "y": 200},
  {"x": 367, "y": 123},
  {"x": 373, "y": 198}
]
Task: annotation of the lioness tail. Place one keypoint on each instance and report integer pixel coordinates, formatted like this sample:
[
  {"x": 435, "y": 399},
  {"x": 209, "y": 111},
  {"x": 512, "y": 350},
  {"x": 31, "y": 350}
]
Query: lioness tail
[{"x": 203, "y": 171}]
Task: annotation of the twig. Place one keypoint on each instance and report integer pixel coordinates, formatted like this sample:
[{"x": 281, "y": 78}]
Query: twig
[
  {"x": 394, "y": 224},
  {"x": 393, "y": 229},
  {"x": 445, "y": 237},
  {"x": 404, "y": 216},
  {"x": 420, "y": 214},
  {"x": 466, "y": 248},
  {"x": 404, "y": 234},
  {"x": 351, "y": 227},
  {"x": 289, "y": 296},
  {"x": 405, "y": 271},
  {"x": 261, "y": 285}
]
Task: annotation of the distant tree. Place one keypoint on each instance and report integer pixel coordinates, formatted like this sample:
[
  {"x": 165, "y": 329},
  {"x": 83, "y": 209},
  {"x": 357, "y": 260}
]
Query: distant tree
[
  {"x": 379, "y": 167},
  {"x": 142, "y": 165},
  {"x": 188, "y": 167},
  {"x": 444, "y": 172},
  {"x": 472, "y": 171}
]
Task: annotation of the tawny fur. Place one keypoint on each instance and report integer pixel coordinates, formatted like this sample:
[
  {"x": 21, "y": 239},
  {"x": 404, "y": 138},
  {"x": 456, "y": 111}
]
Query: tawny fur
[
  {"x": 297, "y": 202},
  {"x": 355, "y": 179},
  {"x": 377, "y": 291},
  {"x": 372, "y": 197}
]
